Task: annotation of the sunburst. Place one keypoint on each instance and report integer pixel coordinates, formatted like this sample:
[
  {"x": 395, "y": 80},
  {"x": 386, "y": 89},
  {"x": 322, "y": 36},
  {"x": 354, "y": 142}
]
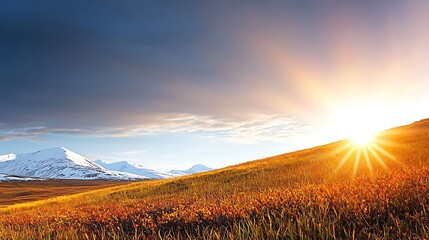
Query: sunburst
[{"x": 370, "y": 149}]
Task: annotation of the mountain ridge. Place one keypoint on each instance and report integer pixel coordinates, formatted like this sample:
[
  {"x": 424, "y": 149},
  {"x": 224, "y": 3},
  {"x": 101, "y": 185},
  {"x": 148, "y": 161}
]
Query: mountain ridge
[
  {"x": 62, "y": 163},
  {"x": 124, "y": 166},
  {"x": 57, "y": 163}
]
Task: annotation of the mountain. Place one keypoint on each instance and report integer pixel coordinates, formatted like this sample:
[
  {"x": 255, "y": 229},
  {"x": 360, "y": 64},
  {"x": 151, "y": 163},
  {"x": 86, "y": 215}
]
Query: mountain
[
  {"x": 127, "y": 167},
  {"x": 61, "y": 163},
  {"x": 194, "y": 169},
  {"x": 58, "y": 163}
]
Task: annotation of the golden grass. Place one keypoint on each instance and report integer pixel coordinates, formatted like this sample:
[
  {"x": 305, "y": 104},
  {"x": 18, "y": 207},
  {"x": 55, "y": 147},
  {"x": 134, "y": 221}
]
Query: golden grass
[
  {"x": 298, "y": 195},
  {"x": 13, "y": 192}
]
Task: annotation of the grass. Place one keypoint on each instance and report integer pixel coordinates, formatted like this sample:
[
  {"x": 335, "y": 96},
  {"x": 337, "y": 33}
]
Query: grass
[
  {"x": 299, "y": 195},
  {"x": 12, "y": 192}
]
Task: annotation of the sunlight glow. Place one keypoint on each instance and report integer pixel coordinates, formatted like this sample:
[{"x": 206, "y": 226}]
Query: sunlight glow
[
  {"x": 362, "y": 138},
  {"x": 370, "y": 151},
  {"x": 360, "y": 122}
]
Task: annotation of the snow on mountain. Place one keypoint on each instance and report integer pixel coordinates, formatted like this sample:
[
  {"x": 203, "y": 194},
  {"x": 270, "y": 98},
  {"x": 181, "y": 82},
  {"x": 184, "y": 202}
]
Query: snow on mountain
[
  {"x": 7, "y": 157},
  {"x": 194, "y": 169},
  {"x": 198, "y": 168},
  {"x": 125, "y": 166},
  {"x": 58, "y": 163}
]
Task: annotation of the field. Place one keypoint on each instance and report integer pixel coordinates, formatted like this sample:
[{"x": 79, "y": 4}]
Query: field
[
  {"x": 335, "y": 191},
  {"x": 17, "y": 192}
]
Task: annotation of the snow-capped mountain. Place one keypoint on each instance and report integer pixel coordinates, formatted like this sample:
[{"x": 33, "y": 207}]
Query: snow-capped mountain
[
  {"x": 61, "y": 163},
  {"x": 194, "y": 169},
  {"x": 125, "y": 166},
  {"x": 57, "y": 163}
]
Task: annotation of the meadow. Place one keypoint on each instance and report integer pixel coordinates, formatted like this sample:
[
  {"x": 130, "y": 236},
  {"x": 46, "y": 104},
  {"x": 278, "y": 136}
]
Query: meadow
[
  {"x": 335, "y": 191},
  {"x": 12, "y": 192}
]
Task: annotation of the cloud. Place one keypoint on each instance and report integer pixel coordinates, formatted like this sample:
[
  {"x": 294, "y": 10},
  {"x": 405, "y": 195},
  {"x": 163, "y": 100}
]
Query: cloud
[
  {"x": 29, "y": 132},
  {"x": 259, "y": 128}
]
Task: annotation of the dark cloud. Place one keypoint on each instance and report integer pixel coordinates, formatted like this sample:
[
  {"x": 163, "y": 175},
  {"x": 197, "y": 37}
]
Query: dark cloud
[
  {"x": 77, "y": 60},
  {"x": 105, "y": 63}
]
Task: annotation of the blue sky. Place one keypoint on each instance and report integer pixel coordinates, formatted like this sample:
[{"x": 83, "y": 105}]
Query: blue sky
[{"x": 170, "y": 84}]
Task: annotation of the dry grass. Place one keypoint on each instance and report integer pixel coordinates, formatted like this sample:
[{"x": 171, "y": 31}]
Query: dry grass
[
  {"x": 298, "y": 195},
  {"x": 13, "y": 192}
]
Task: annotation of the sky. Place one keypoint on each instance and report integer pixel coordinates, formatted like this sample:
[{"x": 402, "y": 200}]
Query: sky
[{"x": 169, "y": 84}]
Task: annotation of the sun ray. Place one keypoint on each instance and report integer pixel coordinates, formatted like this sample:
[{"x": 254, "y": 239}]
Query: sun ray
[
  {"x": 357, "y": 160},
  {"x": 380, "y": 141},
  {"x": 384, "y": 152},
  {"x": 365, "y": 153},
  {"x": 345, "y": 158},
  {"x": 367, "y": 160},
  {"x": 342, "y": 148},
  {"x": 377, "y": 157}
]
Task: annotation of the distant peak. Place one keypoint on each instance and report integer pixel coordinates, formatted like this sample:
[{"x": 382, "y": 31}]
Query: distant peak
[
  {"x": 124, "y": 162},
  {"x": 112, "y": 163},
  {"x": 64, "y": 149},
  {"x": 59, "y": 150},
  {"x": 55, "y": 149},
  {"x": 199, "y": 166},
  {"x": 194, "y": 169}
]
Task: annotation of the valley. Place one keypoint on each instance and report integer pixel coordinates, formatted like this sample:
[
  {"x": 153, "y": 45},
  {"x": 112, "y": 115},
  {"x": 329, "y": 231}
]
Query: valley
[{"x": 13, "y": 192}]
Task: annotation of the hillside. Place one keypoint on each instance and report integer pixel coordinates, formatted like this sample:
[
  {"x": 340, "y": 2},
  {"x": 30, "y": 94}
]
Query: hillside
[{"x": 335, "y": 191}]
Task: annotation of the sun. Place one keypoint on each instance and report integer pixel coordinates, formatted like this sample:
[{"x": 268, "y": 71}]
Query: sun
[
  {"x": 365, "y": 145},
  {"x": 362, "y": 138},
  {"x": 358, "y": 123}
]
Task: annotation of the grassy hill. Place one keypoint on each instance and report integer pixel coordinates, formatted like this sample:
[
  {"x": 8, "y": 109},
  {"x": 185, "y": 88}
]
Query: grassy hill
[{"x": 335, "y": 191}]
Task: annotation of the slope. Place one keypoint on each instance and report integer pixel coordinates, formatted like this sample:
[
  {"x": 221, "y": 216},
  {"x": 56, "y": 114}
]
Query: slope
[{"x": 326, "y": 192}]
